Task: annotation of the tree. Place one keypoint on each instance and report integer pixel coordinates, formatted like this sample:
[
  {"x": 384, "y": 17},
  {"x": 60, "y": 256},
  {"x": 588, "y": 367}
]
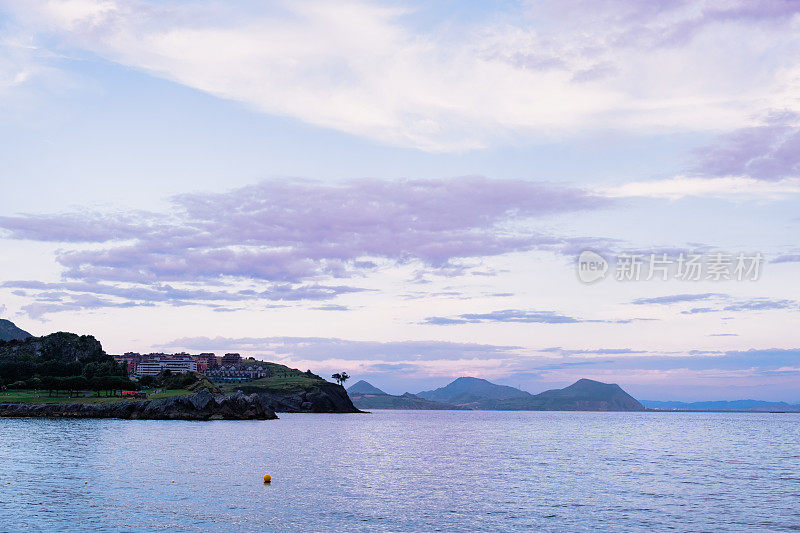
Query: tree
[
  {"x": 341, "y": 377},
  {"x": 50, "y": 383},
  {"x": 147, "y": 381},
  {"x": 97, "y": 384}
]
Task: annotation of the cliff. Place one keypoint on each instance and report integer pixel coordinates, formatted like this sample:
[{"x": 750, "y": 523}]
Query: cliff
[{"x": 199, "y": 406}]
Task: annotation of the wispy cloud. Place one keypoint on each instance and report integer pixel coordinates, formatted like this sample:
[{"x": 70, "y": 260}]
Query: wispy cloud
[
  {"x": 537, "y": 69},
  {"x": 745, "y": 305},
  {"x": 519, "y": 316},
  {"x": 505, "y": 315},
  {"x": 716, "y": 187},
  {"x": 768, "y": 152},
  {"x": 678, "y": 298},
  {"x": 323, "y": 348}
]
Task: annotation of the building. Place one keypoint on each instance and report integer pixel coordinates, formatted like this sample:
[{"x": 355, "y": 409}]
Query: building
[
  {"x": 205, "y": 361},
  {"x": 231, "y": 359},
  {"x": 156, "y": 363},
  {"x": 238, "y": 373},
  {"x": 130, "y": 360}
]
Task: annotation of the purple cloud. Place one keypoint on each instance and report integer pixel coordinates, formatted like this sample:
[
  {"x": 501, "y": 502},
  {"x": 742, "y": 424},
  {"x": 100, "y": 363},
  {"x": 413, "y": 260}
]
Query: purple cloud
[
  {"x": 677, "y": 298},
  {"x": 76, "y": 295},
  {"x": 286, "y": 235},
  {"x": 788, "y": 258},
  {"x": 519, "y": 316},
  {"x": 662, "y": 24},
  {"x": 754, "y": 304},
  {"x": 768, "y": 152},
  {"x": 322, "y": 348},
  {"x": 292, "y": 230}
]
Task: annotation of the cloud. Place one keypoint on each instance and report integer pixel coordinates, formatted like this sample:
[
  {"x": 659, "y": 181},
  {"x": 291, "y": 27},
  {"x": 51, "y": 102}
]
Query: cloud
[
  {"x": 287, "y": 235},
  {"x": 47, "y": 303},
  {"x": 677, "y": 298},
  {"x": 768, "y": 152},
  {"x": 598, "y": 351},
  {"x": 74, "y": 296},
  {"x": 722, "y": 187},
  {"x": 787, "y": 258},
  {"x": 506, "y": 315},
  {"x": 517, "y": 316},
  {"x": 323, "y": 348},
  {"x": 761, "y": 304},
  {"x": 753, "y": 304},
  {"x": 539, "y": 69},
  {"x": 761, "y": 160},
  {"x": 290, "y": 230},
  {"x": 331, "y": 307}
]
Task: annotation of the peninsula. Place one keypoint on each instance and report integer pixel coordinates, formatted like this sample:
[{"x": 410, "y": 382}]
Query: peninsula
[{"x": 69, "y": 375}]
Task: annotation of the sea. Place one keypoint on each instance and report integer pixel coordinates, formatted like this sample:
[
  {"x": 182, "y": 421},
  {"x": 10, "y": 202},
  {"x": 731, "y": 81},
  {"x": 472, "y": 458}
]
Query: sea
[{"x": 406, "y": 471}]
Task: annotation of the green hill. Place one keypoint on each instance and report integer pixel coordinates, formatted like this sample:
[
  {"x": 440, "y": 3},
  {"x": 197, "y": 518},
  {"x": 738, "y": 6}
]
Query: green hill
[{"x": 291, "y": 390}]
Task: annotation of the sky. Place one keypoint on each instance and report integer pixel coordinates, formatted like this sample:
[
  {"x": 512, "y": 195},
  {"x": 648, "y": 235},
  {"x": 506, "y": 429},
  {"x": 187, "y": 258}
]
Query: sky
[{"x": 404, "y": 191}]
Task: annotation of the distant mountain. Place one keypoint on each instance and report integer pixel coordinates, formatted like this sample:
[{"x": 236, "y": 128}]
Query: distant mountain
[
  {"x": 468, "y": 390},
  {"x": 735, "y": 405},
  {"x": 583, "y": 395},
  {"x": 10, "y": 332},
  {"x": 366, "y": 396},
  {"x": 406, "y": 401},
  {"x": 362, "y": 387}
]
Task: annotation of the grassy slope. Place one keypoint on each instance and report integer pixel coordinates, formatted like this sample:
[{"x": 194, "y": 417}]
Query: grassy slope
[
  {"x": 282, "y": 380},
  {"x": 31, "y": 396}
]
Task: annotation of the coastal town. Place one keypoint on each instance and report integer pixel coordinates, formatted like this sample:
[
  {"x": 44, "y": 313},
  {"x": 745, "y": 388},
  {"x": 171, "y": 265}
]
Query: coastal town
[{"x": 230, "y": 367}]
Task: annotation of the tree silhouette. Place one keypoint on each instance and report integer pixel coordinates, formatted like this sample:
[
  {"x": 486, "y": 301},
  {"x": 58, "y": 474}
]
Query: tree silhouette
[{"x": 341, "y": 377}]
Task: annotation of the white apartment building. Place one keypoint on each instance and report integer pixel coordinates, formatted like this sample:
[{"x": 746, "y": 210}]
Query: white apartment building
[{"x": 176, "y": 365}]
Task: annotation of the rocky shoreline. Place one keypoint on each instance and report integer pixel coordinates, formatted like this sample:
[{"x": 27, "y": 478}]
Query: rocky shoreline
[
  {"x": 322, "y": 397},
  {"x": 199, "y": 406}
]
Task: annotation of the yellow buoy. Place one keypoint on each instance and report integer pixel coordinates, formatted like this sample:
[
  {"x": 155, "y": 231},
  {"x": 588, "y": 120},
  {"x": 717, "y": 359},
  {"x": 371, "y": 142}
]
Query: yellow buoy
[
  {"x": 267, "y": 478},
  {"x": 173, "y": 481},
  {"x": 85, "y": 482}
]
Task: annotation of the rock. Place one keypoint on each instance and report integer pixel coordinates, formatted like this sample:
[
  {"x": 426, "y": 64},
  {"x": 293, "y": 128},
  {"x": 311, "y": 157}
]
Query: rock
[{"x": 323, "y": 397}]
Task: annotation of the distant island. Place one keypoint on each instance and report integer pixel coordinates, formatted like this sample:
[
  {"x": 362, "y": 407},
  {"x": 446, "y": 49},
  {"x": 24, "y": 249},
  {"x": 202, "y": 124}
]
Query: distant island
[
  {"x": 583, "y": 395},
  {"x": 365, "y": 396},
  {"x": 721, "y": 405},
  {"x": 480, "y": 394}
]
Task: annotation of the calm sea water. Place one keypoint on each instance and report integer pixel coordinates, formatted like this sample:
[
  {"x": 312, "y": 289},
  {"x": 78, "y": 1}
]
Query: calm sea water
[{"x": 406, "y": 471}]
